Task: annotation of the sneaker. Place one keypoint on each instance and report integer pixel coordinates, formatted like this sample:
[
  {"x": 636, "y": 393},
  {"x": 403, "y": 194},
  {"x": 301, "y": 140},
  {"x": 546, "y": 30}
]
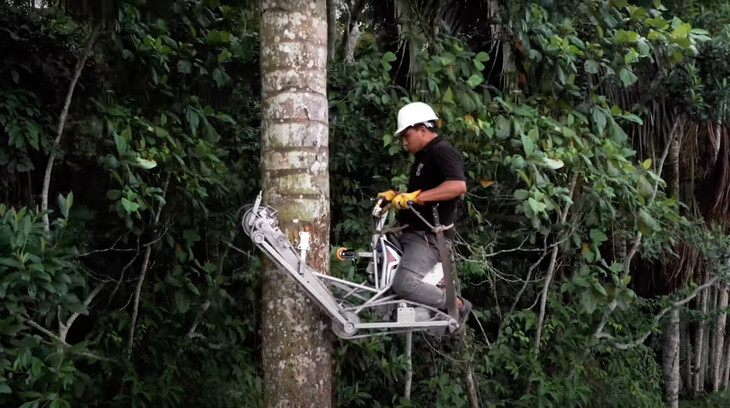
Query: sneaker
[{"x": 464, "y": 311}]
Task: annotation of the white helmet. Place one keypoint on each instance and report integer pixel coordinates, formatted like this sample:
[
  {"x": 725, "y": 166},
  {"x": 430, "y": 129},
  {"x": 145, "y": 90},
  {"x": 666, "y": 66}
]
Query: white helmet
[{"x": 413, "y": 114}]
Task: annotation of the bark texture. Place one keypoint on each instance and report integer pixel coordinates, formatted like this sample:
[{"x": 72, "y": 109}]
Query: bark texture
[
  {"x": 297, "y": 342},
  {"x": 670, "y": 363},
  {"x": 717, "y": 360},
  {"x": 699, "y": 347}
]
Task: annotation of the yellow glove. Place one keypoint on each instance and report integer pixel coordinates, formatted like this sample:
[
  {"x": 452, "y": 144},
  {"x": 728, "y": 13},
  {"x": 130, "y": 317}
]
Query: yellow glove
[
  {"x": 388, "y": 195},
  {"x": 401, "y": 200}
]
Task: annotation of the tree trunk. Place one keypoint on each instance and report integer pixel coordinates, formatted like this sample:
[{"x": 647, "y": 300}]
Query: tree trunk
[
  {"x": 717, "y": 359},
  {"x": 685, "y": 354},
  {"x": 331, "y": 28},
  {"x": 670, "y": 361},
  {"x": 726, "y": 365},
  {"x": 297, "y": 344},
  {"x": 347, "y": 45},
  {"x": 707, "y": 348},
  {"x": 699, "y": 342}
]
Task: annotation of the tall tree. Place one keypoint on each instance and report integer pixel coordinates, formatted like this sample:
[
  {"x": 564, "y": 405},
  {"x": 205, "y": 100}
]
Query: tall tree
[{"x": 297, "y": 346}]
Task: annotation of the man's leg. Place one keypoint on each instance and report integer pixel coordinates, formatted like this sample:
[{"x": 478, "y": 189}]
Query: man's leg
[{"x": 420, "y": 255}]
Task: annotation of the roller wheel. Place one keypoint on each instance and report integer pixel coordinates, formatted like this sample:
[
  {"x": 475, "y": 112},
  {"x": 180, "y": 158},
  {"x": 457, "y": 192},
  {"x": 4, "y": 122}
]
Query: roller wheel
[{"x": 348, "y": 329}]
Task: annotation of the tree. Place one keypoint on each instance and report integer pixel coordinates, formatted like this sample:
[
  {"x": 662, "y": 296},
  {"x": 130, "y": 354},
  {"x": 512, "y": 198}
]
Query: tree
[{"x": 296, "y": 343}]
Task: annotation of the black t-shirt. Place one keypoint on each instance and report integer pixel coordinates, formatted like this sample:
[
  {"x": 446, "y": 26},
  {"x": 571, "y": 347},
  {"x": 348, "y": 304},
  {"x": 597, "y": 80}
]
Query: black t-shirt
[{"x": 437, "y": 162}]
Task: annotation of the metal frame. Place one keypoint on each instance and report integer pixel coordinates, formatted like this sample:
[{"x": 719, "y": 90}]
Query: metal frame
[{"x": 260, "y": 223}]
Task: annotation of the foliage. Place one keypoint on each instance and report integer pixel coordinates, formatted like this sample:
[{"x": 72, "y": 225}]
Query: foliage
[{"x": 157, "y": 156}]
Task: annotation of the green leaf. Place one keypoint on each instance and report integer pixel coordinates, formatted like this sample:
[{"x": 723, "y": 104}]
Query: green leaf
[
  {"x": 521, "y": 194},
  {"x": 682, "y": 31},
  {"x": 599, "y": 288},
  {"x": 623, "y": 36},
  {"x": 193, "y": 120},
  {"x": 592, "y": 66},
  {"x": 597, "y": 236},
  {"x": 121, "y": 141},
  {"x": 627, "y": 76},
  {"x": 644, "y": 187},
  {"x": 448, "y": 95},
  {"x": 220, "y": 77},
  {"x": 184, "y": 67},
  {"x": 589, "y": 301},
  {"x": 389, "y": 57},
  {"x": 475, "y": 80},
  {"x": 553, "y": 164},
  {"x": 599, "y": 119},
  {"x": 224, "y": 56},
  {"x": 482, "y": 56},
  {"x": 192, "y": 288},
  {"x": 5, "y": 389},
  {"x": 502, "y": 128},
  {"x": 191, "y": 235},
  {"x": 129, "y": 206},
  {"x": 527, "y": 144},
  {"x": 646, "y": 164},
  {"x": 647, "y": 223},
  {"x": 631, "y": 56},
  {"x": 536, "y": 206},
  {"x": 145, "y": 163},
  {"x": 447, "y": 59},
  {"x": 182, "y": 302},
  {"x": 62, "y": 205}
]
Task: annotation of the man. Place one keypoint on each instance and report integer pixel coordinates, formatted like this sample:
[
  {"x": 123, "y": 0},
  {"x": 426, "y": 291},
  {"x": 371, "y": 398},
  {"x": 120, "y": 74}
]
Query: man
[{"x": 437, "y": 177}]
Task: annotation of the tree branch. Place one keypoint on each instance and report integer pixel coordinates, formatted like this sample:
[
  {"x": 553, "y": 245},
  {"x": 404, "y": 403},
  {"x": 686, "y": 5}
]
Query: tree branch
[
  {"x": 62, "y": 122},
  {"x": 143, "y": 273},
  {"x": 62, "y": 342},
  {"x": 551, "y": 267},
  {"x": 599, "y": 334},
  {"x": 64, "y": 327},
  {"x": 637, "y": 240}
]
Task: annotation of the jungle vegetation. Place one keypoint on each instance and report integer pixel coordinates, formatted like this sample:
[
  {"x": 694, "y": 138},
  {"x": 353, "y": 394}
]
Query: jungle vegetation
[{"x": 593, "y": 240}]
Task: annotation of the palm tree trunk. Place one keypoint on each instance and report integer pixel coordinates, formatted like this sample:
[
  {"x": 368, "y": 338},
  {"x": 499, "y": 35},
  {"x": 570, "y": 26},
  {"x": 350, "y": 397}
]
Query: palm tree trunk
[{"x": 297, "y": 344}]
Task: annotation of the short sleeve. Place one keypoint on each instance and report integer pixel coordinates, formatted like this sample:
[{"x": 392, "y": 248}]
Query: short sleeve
[{"x": 450, "y": 164}]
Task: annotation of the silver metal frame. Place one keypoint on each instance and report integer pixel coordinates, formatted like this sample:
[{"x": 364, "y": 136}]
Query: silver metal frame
[{"x": 260, "y": 223}]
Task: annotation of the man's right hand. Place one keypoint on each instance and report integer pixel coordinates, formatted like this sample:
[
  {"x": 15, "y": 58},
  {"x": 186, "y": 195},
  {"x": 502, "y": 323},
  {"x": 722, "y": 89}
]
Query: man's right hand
[{"x": 388, "y": 195}]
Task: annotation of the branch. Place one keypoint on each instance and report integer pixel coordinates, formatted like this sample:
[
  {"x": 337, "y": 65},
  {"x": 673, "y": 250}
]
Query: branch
[
  {"x": 64, "y": 327},
  {"x": 143, "y": 273},
  {"x": 191, "y": 333},
  {"x": 62, "y": 122},
  {"x": 551, "y": 267},
  {"x": 599, "y": 334},
  {"x": 62, "y": 342},
  {"x": 529, "y": 274},
  {"x": 637, "y": 240}
]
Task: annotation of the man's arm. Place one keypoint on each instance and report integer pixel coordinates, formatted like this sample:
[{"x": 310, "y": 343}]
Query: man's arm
[{"x": 445, "y": 191}]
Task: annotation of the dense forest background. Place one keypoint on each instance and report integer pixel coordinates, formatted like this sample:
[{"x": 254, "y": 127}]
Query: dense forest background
[{"x": 593, "y": 239}]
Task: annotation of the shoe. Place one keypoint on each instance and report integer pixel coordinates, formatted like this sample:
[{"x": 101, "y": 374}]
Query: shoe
[{"x": 464, "y": 311}]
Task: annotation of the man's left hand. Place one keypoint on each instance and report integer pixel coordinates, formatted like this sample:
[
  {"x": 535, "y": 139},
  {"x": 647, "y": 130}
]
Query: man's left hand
[{"x": 403, "y": 200}]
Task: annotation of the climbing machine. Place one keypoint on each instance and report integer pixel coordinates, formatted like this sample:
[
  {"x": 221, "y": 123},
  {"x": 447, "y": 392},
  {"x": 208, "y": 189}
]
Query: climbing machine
[{"x": 357, "y": 309}]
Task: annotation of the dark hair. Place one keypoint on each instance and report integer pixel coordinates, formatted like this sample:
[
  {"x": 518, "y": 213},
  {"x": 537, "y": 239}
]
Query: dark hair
[{"x": 430, "y": 125}]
